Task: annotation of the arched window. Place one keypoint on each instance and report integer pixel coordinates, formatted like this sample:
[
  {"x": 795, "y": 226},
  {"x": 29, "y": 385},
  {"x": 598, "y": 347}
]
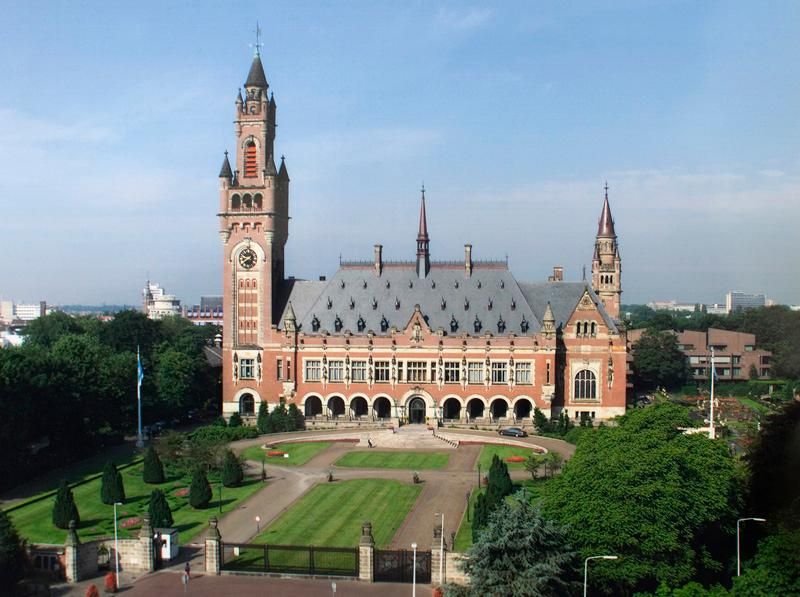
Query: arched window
[
  {"x": 247, "y": 405},
  {"x": 585, "y": 385},
  {"x": 250, "y": 162},
  {"x": 594, "y": 329},
  {"x": 247, "y": 201},
  {"x": 236, "y": 202},
  {"x": 258, "y": 201}
]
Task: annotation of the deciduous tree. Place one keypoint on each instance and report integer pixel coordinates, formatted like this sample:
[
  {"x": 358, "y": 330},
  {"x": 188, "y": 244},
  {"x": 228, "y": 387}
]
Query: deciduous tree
[{"x": 658, "y": 362}]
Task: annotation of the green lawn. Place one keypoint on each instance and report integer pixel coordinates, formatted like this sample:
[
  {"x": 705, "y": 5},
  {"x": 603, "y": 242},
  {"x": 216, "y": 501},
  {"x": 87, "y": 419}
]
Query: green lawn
[
  {"x": 330, "y": 514},
  {"x": 34, "y": 521},
  {"x": 755, "y": 405},
  {"x": 299, "y": 453},
  {"x": 503, "y": 452},
  {"x": 408, "y": 460}
]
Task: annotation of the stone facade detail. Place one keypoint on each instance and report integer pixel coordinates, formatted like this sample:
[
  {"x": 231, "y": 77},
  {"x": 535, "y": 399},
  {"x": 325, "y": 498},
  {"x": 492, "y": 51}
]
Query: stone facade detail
[
  {"x": 213, "y": 551},
  {"x": 366, "y": 553}
]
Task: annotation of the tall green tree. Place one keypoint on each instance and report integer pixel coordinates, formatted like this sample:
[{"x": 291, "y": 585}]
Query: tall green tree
[
  {"x": 658, "y": 362},
  {"x": 112, "y": 489},
  {"x": 64, "y": 508},
  {"x": 775, "y": 570},
  {"x": 236, "y": 420},
  {"x": 521, "y": 553},
  {"x": 662, "y": 500},
  {"x": 199, "y": 490},
  {"x": 12, "y": 553},
  {"x": 232, "y": 474},
  {"x": 159, "y": 511}
]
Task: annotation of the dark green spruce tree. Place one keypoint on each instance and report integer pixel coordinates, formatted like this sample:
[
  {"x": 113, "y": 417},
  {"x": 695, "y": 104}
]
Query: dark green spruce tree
[
  {"x": 112, "y": 489},
  {"x": 158, "y": 509},
  {"x": 64, "y": 508},
  {"x": 199, "y": 490},
  {"x": 235, "y": 420},
  {"x": 12, "y": 553},
  {"x": 153, "y": 471},
  {"x": 232, "y": 474}
]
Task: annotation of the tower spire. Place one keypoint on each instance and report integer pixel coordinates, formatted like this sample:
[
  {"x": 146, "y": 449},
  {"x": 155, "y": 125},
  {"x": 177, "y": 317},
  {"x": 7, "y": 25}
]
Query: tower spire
[
  {"x": 423, "y": 241},
  {"x": 606, "y": 262},
  {"x": 605, "y": 226}
]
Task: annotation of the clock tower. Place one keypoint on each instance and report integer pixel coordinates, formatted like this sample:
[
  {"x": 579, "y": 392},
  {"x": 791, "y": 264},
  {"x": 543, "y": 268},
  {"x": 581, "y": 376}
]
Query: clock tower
[{"x": 254, "y": 226}]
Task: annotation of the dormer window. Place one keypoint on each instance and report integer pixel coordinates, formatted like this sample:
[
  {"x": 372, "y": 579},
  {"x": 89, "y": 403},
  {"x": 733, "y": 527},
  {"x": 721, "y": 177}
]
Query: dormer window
[
  {"x": 477, "y": 325},
  {"x": 315, "y": 324},
  {"x": 330, "y": 303},
  {"x": 337, "y": 324},
  {"x": 502, "y": 284},
  {"x": 491, "y": 304},
  {"x": 363, "y": 283},
  {"x": 341, "y": 283},
  {"x": 524, "y": 325},
  {"x": 410, "y": 284},
  {"x": 250, "y": 160},
  {"x": 361, "y": 324},
  {"x": 513, "y": 305},
  {"x": 374, "y": 303},
  {"x": 444, "y": 304},
  {"x": 396, "y": 303},
  {"x": 479, "y": 283},
  {"x": 501, "y": 325},
  {"x": 384, "y": 324},
  {"x": 352, "y": 303},
  {"x": 466, "y": 304},
  {"x": 433, "y": 283},
  {"x": 453, "y": 324}
]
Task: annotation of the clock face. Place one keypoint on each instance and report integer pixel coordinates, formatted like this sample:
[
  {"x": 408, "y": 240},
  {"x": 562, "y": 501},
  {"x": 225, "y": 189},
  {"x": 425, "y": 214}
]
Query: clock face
[{"x": 248, "y": 258}]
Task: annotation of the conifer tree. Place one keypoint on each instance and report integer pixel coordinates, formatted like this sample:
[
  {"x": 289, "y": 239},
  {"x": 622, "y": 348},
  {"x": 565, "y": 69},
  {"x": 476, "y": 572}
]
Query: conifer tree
[
  {"x": 235, "y": 420},
  {"x": 232, "y": 473},
  {"x": 112, "y": 489},
  {"x": 199, "y": 490},
  {"x": 158, "y": 509},
  {"x": 12, "y": 553},
  {"x": 64, "y": 508},
  {"x": 153, "y": 471},
  {"x": 263, "y": 422}
]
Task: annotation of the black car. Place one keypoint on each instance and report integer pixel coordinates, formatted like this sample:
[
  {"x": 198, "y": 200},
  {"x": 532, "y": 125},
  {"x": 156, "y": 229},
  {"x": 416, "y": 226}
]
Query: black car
[{"x": 514, "y": 431}]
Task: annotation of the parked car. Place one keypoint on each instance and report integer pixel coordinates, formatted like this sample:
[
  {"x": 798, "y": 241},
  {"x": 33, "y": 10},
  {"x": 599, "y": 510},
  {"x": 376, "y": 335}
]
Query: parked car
[{"x": 513, "y": 431}]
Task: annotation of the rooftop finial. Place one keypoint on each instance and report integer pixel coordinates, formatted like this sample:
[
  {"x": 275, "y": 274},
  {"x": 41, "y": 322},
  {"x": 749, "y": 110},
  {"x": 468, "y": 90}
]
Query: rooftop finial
[
  {"x": 423, "y": 190},
  {"x": 258, "y": 44},
  {"x": 606, "y": 188}
]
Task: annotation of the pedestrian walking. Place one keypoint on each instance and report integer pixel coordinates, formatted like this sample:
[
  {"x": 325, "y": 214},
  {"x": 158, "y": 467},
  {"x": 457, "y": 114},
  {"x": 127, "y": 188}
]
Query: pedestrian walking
[
  {"x": 187, "y": 569},
  {"x": 185, "y": 579}
]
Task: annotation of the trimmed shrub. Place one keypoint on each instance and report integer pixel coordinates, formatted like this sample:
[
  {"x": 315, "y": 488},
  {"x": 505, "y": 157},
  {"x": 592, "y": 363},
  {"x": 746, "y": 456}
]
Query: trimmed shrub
[
  {"x": 111, "y": 489},
  {"x": 158, "y": 509},
  {"x": 91, "y": 591},
  {"x": 263, "y": 421},
  {"x": 199, "y": 490},
  {"x": 235, "y": 420},
  {"x": 110, "y": 582},
  {"x": 64, "y": 508},
  {"x": 12, "y": 553},
  {"x": 232, "y": 474},
  {"x": 153, "y": 471}
]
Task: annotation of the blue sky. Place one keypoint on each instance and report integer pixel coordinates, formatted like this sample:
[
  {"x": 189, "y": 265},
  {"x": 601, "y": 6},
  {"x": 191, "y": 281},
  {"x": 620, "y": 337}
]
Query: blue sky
[{"x": 114, "y": 117}]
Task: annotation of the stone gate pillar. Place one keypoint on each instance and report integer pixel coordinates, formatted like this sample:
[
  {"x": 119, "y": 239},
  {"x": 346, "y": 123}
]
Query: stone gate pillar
[
  {"x": 146, "y": 547},
  {"x": 72, "y": 547},
  {"x": 437, "y": 557},
  {"x": 213, "y": 555},
  {"x": 366, "y": 553}
]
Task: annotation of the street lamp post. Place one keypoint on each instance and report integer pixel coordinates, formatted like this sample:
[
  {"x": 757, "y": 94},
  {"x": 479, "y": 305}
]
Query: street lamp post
[
  {"x": 116, "y": 545},
  {"x": 738, "y": 551},
  {"x": 258, "y": 523},
  {"x": 414, "y": 572},
  {"x": 220, "y": 497},
  {"x": 441, "y": 549},
  {"x": 586, "y": 570}
]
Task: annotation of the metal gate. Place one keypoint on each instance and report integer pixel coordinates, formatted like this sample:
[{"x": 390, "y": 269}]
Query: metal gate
[
  {"x": 398, "y": 566},
  {"x": 290, "y": 559}
]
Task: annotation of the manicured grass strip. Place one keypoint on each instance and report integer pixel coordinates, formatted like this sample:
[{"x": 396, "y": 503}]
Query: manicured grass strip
[
  {"x": 407, "y": 460},
  {"x": 299, "y": 453},
  {"x": 503, "y": 452},
  {"x": 464, "y": 535},
  {"x": 760, "y": 408},
  {"x": 34, "y": 521},
  {"x": 330, "y": 514}
]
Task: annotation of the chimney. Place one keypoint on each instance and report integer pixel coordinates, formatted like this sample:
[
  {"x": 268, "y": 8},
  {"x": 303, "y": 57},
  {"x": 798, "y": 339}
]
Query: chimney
[
  {"x": 558, "y": 274},
  {"x": 468, "y": 259},
  {"x": 378, "y": 259}
]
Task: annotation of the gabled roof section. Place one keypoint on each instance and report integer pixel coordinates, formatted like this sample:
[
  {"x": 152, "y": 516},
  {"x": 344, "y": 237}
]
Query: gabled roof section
[
  {"x": 256, "y": 76},
  {"x": 563, "y": 298},
  {"x": 225, "y": 171}
]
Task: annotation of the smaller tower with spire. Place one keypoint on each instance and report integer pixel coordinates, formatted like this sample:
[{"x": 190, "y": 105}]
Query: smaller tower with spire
[
  {"x": 423, "y": 241},
  {"x": 606, "y": 262}
]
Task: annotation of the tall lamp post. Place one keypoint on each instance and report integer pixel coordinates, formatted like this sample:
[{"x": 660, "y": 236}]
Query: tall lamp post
[
  {"x": 441, "y": 548},
  {"x": 738, "y": 551},
  {"x": 116, "y": 544},
  {"x": 414, "y": 572},
  {"x": 586, "y": 570}
]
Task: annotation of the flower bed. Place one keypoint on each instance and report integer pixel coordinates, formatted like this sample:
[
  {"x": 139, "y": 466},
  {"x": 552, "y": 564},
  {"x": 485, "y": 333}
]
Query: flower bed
[
  {"x": 515, "y": 459},
  {"x": 131, "y": 522},
  {"x": 183, "y": 492},
  {"x": 275, "y": 453}
]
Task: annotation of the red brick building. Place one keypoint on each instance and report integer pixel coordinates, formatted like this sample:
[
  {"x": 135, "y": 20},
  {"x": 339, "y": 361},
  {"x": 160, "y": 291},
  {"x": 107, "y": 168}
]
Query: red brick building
[{"x": 418, "y": 340}]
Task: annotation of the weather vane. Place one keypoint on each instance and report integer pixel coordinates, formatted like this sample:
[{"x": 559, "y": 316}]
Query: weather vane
[{"x": 258, "y": 43}]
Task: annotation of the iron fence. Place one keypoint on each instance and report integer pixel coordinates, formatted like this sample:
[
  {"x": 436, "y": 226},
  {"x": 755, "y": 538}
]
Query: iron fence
[{"x": 290, "y": 559}]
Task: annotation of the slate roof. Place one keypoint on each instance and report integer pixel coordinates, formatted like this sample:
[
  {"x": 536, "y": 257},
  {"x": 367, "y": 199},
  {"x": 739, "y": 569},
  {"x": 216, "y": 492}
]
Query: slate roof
[
  {"x": 256, "y": 76},
  {"x": 491, "y": 294}
]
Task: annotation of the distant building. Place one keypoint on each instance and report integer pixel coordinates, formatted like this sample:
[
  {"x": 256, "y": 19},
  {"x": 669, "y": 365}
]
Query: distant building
[
  {"x": 734, "y": 354},
  {"x": 738, "y": 301},
  {"x": 208, "y": 312},
  {"x": 717, "y": 309},
  {"x": 673, "y": 306},
  {"x": 11, "y": 312},
  {"x": 156, "y": 303}
]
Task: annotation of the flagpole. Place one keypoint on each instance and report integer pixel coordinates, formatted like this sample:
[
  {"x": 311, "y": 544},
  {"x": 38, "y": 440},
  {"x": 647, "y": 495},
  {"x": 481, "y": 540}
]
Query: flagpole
[
  {"x": 712, "y": 432},
  {"x": 139, "y": 441}
]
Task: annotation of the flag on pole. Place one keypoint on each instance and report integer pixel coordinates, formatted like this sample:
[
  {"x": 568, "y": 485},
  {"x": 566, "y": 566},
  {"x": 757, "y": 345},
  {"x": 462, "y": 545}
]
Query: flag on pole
[{"x": 139, "y": 368}]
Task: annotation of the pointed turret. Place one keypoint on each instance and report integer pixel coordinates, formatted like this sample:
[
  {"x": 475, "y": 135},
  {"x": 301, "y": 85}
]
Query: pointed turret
[
  {"x": 548, "y": 322},
  {"x": 225, "y": 171},
  {"x": 256, "y": 76},
  {"x": 271, "y": 169},
  {"x": 605, "y": 226},
  {"x": 283, "y": 173},
  {"x": 290, "y": 319},
  {"x": 423, "y": 241}
]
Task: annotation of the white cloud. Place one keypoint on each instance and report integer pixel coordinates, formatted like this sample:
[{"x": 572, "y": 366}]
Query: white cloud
[
  {"x": 17, "y": 128},
  {"x": 470, "y": 18}
]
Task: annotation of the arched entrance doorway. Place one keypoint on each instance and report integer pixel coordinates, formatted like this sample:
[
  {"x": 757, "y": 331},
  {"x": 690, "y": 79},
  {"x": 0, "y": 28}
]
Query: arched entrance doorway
[
  {"x": 359, "y": 407},
  {"x": 451, "y": 409},
  {"x": 475, "y": 408},
  {"x": 499, "y": 408},
  {"x": 313, "y": 406},
  {"x": 382, "y": 408},
  {"x": 247, "y": 405},
  {"x": 416, "y": 410},
  {"x": 523, "y": 409},
  {"x": 336, "y": 406}
]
